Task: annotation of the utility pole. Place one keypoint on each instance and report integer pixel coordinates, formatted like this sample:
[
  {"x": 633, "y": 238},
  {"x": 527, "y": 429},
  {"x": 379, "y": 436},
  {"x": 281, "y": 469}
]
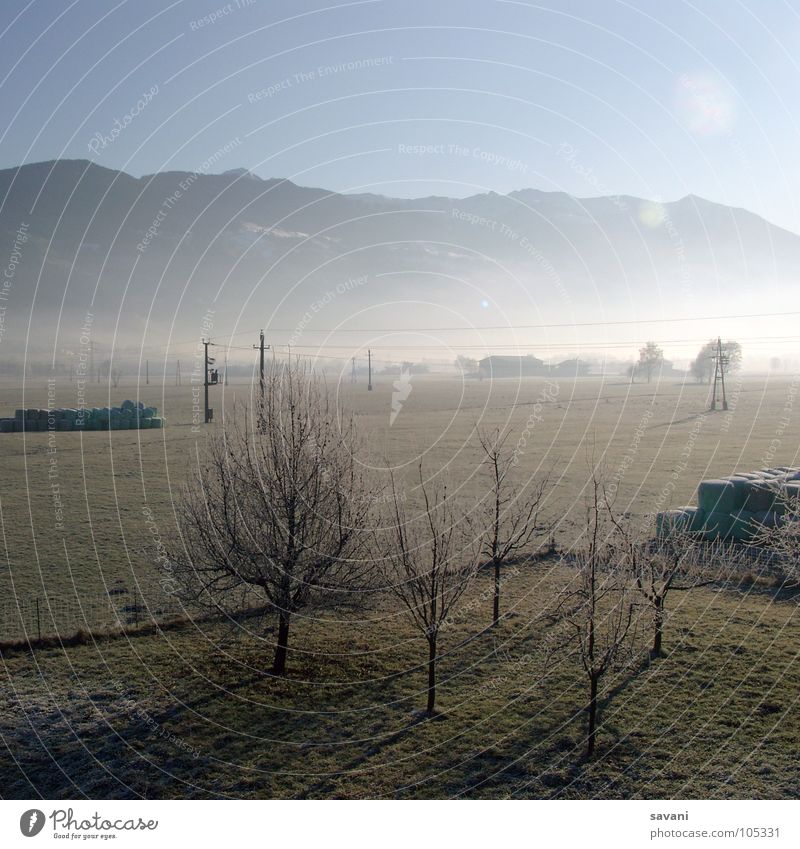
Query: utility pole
[
  {"x": 353, "y": 372},
  {"x": 261, "y": 348},
  {"x": 723, "y": 363},
  {"x": 720, "y": 364},
  {"x": 178, "y": 374},
  {"x": 369, "y": 369},
  {"x": 211, "y": 379},
  {"x": 147, "y": 371}
]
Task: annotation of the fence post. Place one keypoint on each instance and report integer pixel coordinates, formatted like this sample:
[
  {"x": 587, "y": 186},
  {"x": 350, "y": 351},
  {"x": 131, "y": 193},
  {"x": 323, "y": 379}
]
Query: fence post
[{"x": 38, "y": 620}]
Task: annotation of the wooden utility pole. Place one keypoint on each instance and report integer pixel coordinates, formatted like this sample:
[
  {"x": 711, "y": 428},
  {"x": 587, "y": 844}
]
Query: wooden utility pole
[
  {"x": 353, "y": 372},
  {"x": 723, "y": 364},
  {"x": 178, "y": 374},
  {"x": 211, "y": 379},
  {"x": 147, "y": 371},
  {"x": 369, "y": 368},
  {"x": 261, "y": 348}
]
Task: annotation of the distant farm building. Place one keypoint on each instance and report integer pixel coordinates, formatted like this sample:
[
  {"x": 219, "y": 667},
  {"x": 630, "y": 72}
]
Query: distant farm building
[
  {"x": 529, "y": 366},
  {"x": 571, "y": 368}
]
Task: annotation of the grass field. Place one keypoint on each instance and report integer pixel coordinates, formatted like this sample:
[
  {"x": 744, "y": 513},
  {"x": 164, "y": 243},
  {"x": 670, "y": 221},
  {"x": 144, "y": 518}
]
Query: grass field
[
  {"x": 192, "y": 712},
  {"x": 655, "y": 442}
]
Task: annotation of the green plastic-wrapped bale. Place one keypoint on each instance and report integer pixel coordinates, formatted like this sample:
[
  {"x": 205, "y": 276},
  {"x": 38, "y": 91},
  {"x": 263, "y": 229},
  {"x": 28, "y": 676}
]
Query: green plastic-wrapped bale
[
  {"x": 743, "y": 526},
  {"x": 788, "y": 500},
  {"x": 741, "y": 486},
  {"x": 682, "y": 520},
  {"x": 717, "y": 526},
  {"x": 762, "y": 497},
  {"x": 768, "y": 519},
  {"x": 718, "y": 496}
]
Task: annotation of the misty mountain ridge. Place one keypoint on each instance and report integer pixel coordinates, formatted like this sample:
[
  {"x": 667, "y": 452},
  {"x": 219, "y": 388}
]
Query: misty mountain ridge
[{"x": 152, "y": 255}]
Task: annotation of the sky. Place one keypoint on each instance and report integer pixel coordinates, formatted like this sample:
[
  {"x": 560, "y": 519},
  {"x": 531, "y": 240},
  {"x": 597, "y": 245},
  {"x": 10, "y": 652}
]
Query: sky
[{"x": 652, "y": 99}]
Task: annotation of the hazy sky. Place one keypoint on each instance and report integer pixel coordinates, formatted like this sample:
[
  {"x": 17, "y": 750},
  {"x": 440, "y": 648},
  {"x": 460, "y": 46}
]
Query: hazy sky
[{"x": 646, "y": 98}]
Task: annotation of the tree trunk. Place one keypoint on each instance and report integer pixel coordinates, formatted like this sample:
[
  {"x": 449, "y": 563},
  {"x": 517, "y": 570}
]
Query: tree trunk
[
  {"x": 496, "y": 593},
  {"x": 592, "y": 716},
  {"x": 431, "y": 675},
  {"x": 659, "y": 626},
  {"x": 279, "y": 664}
]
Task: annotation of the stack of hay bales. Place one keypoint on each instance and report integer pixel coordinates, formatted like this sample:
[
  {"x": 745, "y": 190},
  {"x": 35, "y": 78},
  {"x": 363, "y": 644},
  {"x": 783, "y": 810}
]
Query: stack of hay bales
[
  {"x": 737, "y": 507},
  {"x": 130, "y": 415}
]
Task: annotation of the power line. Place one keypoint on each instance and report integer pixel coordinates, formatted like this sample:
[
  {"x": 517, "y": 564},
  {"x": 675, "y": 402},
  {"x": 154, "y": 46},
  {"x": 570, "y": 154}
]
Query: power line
[
  {"x": 495, "y": 327},
  {"x": 545, "y": 346}
]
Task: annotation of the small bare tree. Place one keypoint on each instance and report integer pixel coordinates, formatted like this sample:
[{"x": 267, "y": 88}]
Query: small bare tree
[
  {"x": 512, "y": 520},
  {"x": 597, "y": 612},
  {"x": 279, "y": 506},
  {"x": 676, "y": 563},
  {"x": 430, "y": 560}
]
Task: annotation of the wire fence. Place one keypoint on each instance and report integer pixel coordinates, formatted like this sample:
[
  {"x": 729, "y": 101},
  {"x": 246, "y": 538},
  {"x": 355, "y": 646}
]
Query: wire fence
[{"x": 51, "y": 615}]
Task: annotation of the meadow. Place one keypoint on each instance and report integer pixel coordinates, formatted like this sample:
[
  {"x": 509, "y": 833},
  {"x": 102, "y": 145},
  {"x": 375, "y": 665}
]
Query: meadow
[{"x": 190, "y": 709}]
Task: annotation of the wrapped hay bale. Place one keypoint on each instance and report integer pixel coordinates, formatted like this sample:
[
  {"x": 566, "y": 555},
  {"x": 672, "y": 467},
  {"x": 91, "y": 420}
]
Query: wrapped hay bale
[
  {"x": 766, "y": 520},
  {"x": 761, "y": 497},
  {"x": 679, "y": 521},
  {"x": 717, "y": 526},
  {"x": 788, "y": 500},
  {"x": 743, "y": 527},
  {"x": 718, "y": 496},
  {"x": 741, "y": 485}
]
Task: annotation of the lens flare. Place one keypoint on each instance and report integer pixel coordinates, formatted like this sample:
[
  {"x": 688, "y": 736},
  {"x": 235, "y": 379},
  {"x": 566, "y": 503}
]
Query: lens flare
[{"x": 705, "y": 104}]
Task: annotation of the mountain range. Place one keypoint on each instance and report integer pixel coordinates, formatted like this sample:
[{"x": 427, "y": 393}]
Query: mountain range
[{"x": 177, "y": 255}]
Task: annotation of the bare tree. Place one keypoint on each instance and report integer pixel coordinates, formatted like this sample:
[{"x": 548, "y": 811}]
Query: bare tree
[
  {"x": 702, "y": 367},
  {"x": 279, "y": 506},
  {"x": 651, "y": 357},
  {"x": 466, "y": 365},
  {"x": 116, "y": 375},
  {"x": 513, "y": 512},
  {"x": 676, "y": 563},
  {"x": 430, "y": 561},
  {"x": 781, "y": 538},
  {"x": 598, "y": 611}
]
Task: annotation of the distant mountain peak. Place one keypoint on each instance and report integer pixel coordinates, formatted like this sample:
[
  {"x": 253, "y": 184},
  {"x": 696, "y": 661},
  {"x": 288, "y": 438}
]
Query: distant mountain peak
[{"x": 242, "y": 172}]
